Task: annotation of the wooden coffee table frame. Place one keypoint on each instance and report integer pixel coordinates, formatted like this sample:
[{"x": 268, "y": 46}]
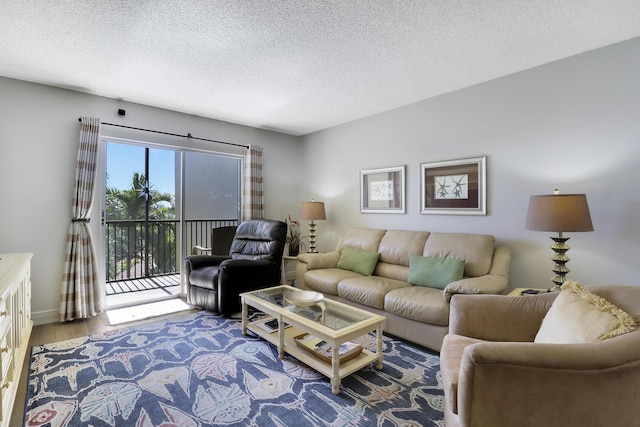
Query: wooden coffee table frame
[{"x": 283, "y": 338}]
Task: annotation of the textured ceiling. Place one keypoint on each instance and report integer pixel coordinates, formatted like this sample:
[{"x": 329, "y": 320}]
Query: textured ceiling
[{"x": 295, "y": 66}]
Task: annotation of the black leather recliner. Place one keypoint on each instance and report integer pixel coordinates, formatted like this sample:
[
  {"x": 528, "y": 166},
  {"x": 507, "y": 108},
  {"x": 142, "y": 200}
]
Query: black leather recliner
[{"x": 215, "y": 282}]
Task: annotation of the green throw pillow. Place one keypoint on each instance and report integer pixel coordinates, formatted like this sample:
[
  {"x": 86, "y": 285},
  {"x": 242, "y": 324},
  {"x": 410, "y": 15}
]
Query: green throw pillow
[
  {"x": 434, "y": 272},
  {"x": 363, "y": 262}
]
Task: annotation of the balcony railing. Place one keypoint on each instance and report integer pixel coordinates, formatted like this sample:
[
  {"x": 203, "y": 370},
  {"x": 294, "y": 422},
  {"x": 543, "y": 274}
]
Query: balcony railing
[{"x": 138, "y": 249}]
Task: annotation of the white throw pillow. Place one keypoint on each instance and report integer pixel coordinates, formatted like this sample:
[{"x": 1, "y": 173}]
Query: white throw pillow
[{"x": 579, "y": 316}]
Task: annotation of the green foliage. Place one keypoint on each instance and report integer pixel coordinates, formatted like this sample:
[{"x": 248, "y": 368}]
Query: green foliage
[
  {"x": 294, "y": 236},
  {"x": 129, "y": 204},
  {"x": 134, "y": 240}
]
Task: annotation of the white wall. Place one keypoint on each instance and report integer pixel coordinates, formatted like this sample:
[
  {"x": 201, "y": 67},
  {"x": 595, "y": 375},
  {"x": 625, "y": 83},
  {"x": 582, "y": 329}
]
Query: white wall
[
  {"x": 572, "y": 124},
  {"x": 39, "y": 133}
]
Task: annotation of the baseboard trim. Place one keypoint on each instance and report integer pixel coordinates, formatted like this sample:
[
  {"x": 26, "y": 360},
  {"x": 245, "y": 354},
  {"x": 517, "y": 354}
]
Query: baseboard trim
[{"x": 45, "y": 317}]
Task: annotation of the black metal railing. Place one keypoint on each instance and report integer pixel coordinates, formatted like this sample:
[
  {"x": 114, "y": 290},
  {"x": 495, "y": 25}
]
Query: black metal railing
[
  {"x": 198, "y": 232},
  {"x": 138, "y": 248}
]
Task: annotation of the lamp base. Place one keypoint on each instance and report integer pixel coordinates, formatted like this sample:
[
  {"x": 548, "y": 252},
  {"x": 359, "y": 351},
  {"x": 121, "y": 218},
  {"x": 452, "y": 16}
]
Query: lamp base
[
  {"x": 555, "y": 288},
  {"x": 560, "y": 258},
  {"x": 312, "y": 238}
]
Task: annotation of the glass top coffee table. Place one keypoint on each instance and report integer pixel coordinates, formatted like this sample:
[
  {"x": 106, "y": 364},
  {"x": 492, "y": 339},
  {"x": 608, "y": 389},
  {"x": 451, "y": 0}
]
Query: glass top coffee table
[{"x": 328, "y": 321}]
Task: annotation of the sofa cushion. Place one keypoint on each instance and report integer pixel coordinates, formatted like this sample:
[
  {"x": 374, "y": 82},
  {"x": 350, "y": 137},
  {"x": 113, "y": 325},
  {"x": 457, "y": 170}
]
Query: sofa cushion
[
  {"x": 397, "y": 245},
  {"x": 434, "y": 272},
  {"x": 367, "y": 239},
  {"x": 392, "y": 271},
  {"x": 395, "y": 249},
  {"x": 579, "y": 316},
  {"x": 368, "y": 290},
  {"x": 358, "y": 260},
  {"x": 418, "y": 303},
  {"x": 475, "y": 249},
  {"x": 326, "y": 280}
]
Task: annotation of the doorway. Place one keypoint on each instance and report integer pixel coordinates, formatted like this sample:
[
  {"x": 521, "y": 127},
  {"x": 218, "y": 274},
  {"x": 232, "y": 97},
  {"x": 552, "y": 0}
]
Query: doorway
[
  {"x": 141, "y": 224},
  {"x": 159, "y": 202}
]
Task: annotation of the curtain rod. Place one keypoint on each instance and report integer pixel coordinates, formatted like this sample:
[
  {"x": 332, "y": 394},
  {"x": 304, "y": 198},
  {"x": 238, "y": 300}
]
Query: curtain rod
[{"x": 189, "y": 136}]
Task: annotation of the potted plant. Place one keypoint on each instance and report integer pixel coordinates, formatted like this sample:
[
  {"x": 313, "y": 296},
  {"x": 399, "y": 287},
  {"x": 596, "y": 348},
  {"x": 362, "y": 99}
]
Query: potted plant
[{"x": 294, "y": 237}]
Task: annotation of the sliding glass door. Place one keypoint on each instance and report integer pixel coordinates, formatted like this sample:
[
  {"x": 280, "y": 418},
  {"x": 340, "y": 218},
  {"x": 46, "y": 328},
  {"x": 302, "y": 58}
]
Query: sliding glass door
[
  {"x": 159, "y": 202},
  {"x": 140, "y": 212}
]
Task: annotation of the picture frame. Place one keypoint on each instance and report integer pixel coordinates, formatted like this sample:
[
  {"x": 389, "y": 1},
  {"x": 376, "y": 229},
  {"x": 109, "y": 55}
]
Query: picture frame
[
  {"x": 454, "y": 187},
  {"x": 382, "y": 190}
]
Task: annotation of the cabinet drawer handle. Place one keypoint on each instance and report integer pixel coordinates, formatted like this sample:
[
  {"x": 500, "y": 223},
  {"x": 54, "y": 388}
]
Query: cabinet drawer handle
[
  {"x": 4, "y": 349},
  {"x": 3, "y": 313}
]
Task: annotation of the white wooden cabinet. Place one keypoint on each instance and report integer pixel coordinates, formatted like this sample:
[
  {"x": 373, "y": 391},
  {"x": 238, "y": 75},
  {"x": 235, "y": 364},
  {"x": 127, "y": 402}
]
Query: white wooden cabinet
[{"x": 15, "y": 326}]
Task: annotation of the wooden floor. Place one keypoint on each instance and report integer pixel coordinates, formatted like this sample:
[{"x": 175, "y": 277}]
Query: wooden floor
[{"x": 54, "y": 332}]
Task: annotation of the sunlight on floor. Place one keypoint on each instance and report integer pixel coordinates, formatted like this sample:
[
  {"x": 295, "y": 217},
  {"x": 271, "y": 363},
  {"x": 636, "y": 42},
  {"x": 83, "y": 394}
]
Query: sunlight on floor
[{"x": 145, "y": 311}]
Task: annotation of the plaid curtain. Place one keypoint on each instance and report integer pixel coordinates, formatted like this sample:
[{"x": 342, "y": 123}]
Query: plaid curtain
[
  {"x": 81, "y": 296},
  {"x": 253, "y": 193}
]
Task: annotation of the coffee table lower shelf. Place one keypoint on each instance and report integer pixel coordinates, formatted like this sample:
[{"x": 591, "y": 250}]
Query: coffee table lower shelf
[{"x": 345, "y": 368}]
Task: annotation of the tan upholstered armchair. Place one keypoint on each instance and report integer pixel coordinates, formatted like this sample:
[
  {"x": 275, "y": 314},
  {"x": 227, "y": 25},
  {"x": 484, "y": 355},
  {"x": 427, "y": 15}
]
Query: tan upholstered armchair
[{"x": 495, "y": 375}]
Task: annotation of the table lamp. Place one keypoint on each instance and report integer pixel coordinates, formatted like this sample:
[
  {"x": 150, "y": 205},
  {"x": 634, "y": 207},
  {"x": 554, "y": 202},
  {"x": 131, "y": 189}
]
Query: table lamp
[
  {"x": 560, "y": 213},
  {"x": 312, "y": 211}
]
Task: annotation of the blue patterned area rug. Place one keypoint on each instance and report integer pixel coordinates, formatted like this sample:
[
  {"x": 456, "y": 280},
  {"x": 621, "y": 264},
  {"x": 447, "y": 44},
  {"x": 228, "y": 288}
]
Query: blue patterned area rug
[{"x": 199, "y": 370}]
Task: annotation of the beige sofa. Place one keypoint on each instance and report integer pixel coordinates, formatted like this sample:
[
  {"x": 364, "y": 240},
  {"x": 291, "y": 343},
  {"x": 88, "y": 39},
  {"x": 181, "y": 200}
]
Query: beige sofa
[
  {"x": 494, "y": 374},
  {"x": 417, "y": 313}
]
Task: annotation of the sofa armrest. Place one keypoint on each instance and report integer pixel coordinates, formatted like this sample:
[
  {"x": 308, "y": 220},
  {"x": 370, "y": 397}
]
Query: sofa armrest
[
  {"x": 501, "y": 263},
  {"x": 489, "y": 284},
  {"x": 494, "y": 282},
  {"x": 199, "y": 261},
  {"x": 193, "y": 262},
  {"x": 314, "y": 261},
  {"x": 498, "y": 317},
  {"x": 506, "y": 383}
]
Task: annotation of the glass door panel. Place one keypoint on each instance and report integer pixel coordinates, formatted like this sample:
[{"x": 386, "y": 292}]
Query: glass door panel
[
  {"x": 140, "y": 212},
  {"x": 211, "y": 195}
]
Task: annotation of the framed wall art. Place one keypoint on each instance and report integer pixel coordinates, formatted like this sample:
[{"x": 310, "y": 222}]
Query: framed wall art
[
  {"x": 382, "y": 190},
  {"x": 454, "y": 187}
]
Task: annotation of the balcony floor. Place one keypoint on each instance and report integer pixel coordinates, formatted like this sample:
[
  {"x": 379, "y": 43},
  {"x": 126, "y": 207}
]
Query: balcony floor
[{"x": 125, "y": 293}]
